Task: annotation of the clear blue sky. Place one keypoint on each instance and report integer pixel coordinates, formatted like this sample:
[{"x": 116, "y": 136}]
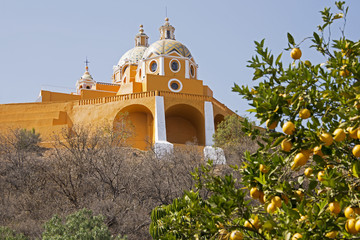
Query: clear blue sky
[{"x": 45, "y": 42}]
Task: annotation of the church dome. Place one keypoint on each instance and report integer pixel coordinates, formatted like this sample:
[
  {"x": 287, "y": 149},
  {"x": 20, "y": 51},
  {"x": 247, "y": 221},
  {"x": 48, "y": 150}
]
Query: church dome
[
  {"x": 133, "y": 56},
  {"x": 167, "y": 46}
]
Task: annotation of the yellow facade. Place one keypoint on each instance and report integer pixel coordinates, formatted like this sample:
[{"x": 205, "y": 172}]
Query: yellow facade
[{"x": 156, "y": 86}]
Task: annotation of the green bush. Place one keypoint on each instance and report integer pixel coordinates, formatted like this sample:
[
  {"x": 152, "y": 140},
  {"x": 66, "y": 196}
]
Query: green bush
[
  {"x": 8, "y": 234},
  {"x": 80, "y": 225}
]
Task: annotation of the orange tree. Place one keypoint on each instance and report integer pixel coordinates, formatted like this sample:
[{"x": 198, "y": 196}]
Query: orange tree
[{"x": 304, "y": 179}]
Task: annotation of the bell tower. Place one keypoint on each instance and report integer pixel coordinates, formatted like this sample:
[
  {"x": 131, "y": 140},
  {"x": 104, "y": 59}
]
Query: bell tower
[
  {"x": 167, "y": 30},
  {"x": 86, "y": 81},
  {"x": 141, "y": 39}
]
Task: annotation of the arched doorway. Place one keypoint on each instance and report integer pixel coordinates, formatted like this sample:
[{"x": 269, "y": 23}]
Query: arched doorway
[
  {"x": 138, "y": 120},
  {"x": 184, "y": 124}
]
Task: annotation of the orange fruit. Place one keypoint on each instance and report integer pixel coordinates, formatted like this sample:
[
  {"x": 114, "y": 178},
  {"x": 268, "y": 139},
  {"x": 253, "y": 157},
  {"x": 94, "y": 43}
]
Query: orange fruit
[
  {"x": 356, "y": 151},
  {"x": 286, "y": 145},
  {"x": 271, "y": 207},
  {"x": 263, "y": 168},
  {"x": 321, "y": 175},
  {"x": 247, "y": 224},
  {"x": 254, "y": 193},
  {"x": 288, "y": 128},
  {"x": 299, "y": 195},
  {"x": 306, "y": 152},
  {"x": 357, "y": 225},
  {"x": 255, "y": 222},
  {"x": 308, "y": 172},
  {"x": 299, "y": 160},
  {"x": 334, "y": 207},
  {"x": 350, "y": 226},
  {"x": 304, "y": 113},
  {"x": 344, "y": 72},
  {"x": 295, "y": 53},
  {"x": 339, "y": 135},
  {"x": 353, "y": 132},
  {"x": 277, "y": 201},
  {"x": 326, "y": 138},
  {"x": 261, "y": 197},
  {"x": 236, "y": 235},
  {"x": 296, "y": 236},
  {"x": 271, "y": 124},
  {"x": 331, "y": 234},
  {"x": 349, "y": 212},
  {"x": 317, "y": 151}
]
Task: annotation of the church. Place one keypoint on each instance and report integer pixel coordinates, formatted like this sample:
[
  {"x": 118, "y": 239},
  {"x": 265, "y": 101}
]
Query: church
[{"x": 156, "y": 85}]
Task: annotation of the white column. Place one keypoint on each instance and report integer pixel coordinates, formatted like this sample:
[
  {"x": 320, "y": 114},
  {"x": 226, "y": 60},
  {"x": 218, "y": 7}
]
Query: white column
[
  {"x": 160, "y": 126},
  {"x": 210, "y": 152},
  {"x": 162, "y": 71},
  {"x": 187, "y": 74},
  {"x": 161, "y": 146},
  {"x": 209, "y": 123},
  {"x": 143, "y": 69}
]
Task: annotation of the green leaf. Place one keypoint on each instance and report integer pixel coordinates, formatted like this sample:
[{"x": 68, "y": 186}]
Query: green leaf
[
  {"x": 356, "y": 168},
  {"x": 317, "y": 38},
  {"x": 290, "y": 39}
]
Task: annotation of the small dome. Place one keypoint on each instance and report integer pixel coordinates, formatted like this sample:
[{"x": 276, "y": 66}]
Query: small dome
[
  {"x": 134, "y": 55},
  {"x": 87, "y": 75},
  {"x": 167, "y": 46}
]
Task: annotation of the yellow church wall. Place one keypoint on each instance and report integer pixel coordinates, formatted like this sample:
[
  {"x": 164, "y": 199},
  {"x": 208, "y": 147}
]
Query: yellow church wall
[
  {"x": 48, "y": 96},
  {"x": 184, "y": 118},
  {"x": 207, "y": 91},
  {"x": 45, "y": 118},
  {"x": 130, "y": 72},
  {"x": 167, "y": 68},
  {"x": 89, "y": 94},
  {"x": 132, "y": 87},
  {"x": 141, "y": 124},
  {"x": 141, "y": 114},
  {"x": 107, "y": 87},
  {"x": 156, "y": 82},
  {"x": 180, "y": 130}
]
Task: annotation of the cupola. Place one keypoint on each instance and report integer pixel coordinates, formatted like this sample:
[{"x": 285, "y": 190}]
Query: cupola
[
  {"x": 141, "y": 39},
  {"x": 167, "y": 30},
  {"x": 86, "y": 81}
]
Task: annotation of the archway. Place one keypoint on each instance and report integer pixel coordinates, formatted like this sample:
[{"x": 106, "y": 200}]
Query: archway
[
  {"x": 184, "y": 124},
  {"x": 138, "y": 121}
]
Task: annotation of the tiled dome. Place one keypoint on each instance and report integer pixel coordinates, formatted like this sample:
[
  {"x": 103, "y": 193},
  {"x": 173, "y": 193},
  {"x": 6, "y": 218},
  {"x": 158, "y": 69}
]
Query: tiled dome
[
  {"x": 134, "y": 55},
  {"x": 167, "y": 46}
]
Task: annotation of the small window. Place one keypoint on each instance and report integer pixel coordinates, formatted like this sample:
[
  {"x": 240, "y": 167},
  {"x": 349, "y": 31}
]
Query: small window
[
  {"x": 153, "y": 66},
  {"x": 168, "y": 34},
  {"x": 87, "y": 87},
  {"x": 192, "y": 71},
  {"x": 125, "y": 69},
  {"x": 174, "y": 85},
  {"x": 175, "y": 65}
]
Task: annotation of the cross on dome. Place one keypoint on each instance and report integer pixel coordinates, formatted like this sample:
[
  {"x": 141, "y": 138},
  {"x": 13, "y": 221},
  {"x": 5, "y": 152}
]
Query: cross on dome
[{"x": 86, "y": 64}]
